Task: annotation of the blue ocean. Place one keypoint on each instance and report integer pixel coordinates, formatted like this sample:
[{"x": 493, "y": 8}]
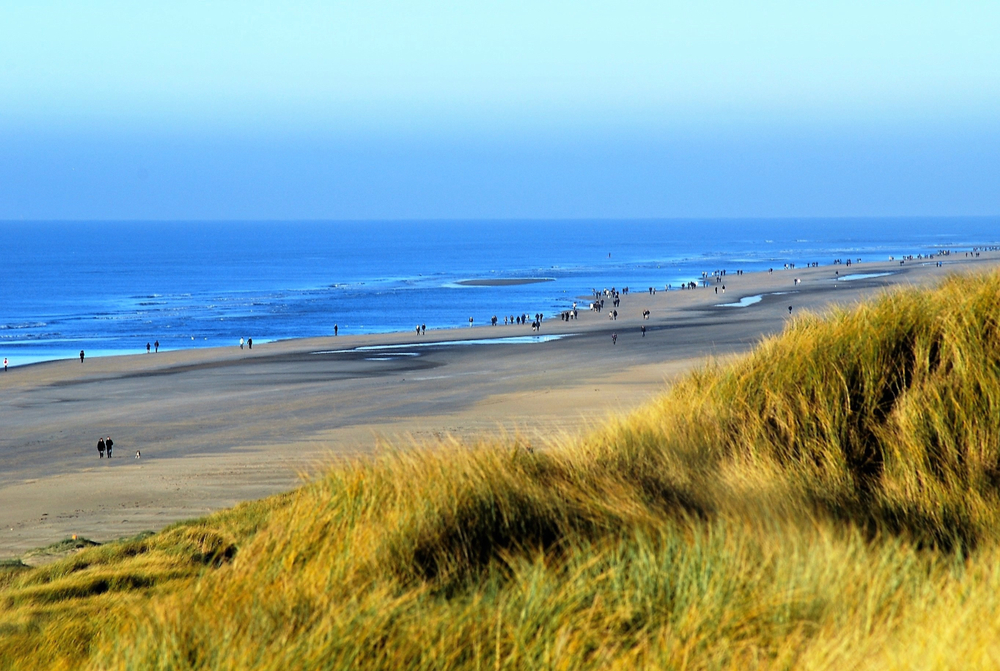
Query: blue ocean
[{"x": 111, "y": 287}]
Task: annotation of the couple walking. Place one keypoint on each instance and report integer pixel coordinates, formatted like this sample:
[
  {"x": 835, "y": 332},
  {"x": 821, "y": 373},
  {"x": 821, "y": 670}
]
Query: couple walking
[{"x": 105, "y": 444}]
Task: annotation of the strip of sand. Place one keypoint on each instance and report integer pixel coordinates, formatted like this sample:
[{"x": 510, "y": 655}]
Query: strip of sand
[{"x": 218, "y": 426}]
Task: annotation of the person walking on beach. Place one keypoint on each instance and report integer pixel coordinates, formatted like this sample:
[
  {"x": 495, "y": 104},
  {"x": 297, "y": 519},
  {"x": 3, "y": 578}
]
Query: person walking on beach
[
  {"x": 241, "y": 343},
  {"x": 249, "y": 343},
  {"x": 5, "y": 364},
  {"x": 423, "y": 329},
  {"x": 108, "y": 443},
  {"x": 100, "y": 447},
  {"x": 614, "y": 338},
  {"x": 157, "y": 346},
  {"x": 789, "y": 309},
  {"x": 147, "y": 348},
  {"x": 643, "y": 329},
  {"x": 81, "y": 356},
  {"x": 334, "y": 329}
]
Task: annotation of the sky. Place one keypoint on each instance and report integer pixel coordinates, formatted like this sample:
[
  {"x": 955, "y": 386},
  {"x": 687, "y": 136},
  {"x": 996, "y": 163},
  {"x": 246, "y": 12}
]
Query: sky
[{"x": 446, "y": 110}]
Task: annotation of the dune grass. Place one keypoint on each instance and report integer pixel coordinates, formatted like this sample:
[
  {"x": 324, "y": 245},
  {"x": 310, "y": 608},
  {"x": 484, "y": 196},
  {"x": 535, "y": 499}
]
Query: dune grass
[{"x": 828, "y": 501}]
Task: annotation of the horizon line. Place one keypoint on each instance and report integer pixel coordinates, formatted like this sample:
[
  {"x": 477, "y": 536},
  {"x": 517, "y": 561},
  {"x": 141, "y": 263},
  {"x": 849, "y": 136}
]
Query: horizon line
[{"x": 194, "y": 220}]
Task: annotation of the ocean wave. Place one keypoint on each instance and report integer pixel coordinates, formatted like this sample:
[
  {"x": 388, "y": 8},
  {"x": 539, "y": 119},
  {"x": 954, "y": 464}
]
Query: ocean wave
[
  {"x": 23, "y": 325},
  {"x": 33, "y": 339},
  {"x": 118, "y": 317}
]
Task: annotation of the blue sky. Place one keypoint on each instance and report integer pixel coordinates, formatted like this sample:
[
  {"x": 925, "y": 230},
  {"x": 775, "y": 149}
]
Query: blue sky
[{"x": 253, "y": 110}]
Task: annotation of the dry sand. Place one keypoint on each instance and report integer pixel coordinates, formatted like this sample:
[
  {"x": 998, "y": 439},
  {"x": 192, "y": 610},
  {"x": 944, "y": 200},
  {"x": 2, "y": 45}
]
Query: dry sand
[{"x": 219, "y": 426}]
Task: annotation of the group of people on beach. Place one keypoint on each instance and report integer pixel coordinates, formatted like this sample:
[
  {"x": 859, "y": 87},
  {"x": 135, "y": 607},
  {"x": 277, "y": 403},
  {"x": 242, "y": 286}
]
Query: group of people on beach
[
  {"x": 614, "y": 296},
  {"x": 510, "y": 320}
]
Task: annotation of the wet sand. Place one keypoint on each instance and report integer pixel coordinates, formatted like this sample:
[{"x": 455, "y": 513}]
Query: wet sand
[{"x": 218, "y": 426}]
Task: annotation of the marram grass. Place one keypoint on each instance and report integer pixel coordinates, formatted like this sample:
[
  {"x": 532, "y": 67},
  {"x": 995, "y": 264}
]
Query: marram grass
[{"x": 831, "y": 500}]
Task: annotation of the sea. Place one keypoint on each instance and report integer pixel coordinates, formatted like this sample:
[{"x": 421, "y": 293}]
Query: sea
[{"x": 111, "y": 287}]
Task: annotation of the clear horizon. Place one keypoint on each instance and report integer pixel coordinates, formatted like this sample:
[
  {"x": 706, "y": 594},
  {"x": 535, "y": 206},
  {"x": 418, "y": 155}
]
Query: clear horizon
[
  {"x": 397, "y": 111},
  {"x": 459, "y": 220}
]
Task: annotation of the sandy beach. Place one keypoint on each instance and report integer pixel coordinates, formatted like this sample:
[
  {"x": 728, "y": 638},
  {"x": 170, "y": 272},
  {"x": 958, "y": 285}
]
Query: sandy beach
[{"x": 219, "y": 426}]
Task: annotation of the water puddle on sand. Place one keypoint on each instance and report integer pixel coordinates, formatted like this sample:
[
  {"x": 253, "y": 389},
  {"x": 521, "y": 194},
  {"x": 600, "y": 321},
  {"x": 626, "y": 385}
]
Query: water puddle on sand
[
  {"x": 747, "y": 301},
  {"x": 861, "y": 276},
  {"x": 513, "y": 340},
  {"x": 743, "y": 302}
]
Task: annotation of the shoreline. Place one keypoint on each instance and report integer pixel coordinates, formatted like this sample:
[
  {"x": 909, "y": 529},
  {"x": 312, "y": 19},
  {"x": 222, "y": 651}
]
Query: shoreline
[
  {"x": 34, "y": 359},
  {"x": 217, "y": 426}
]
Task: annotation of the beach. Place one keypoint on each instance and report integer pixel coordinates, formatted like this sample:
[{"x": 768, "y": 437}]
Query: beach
[{"x": 217, "y": 426}]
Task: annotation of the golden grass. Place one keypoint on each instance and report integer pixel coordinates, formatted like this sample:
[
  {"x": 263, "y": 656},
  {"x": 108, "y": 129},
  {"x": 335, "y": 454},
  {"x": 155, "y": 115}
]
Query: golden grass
[{"x": 828, "y": 501}]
